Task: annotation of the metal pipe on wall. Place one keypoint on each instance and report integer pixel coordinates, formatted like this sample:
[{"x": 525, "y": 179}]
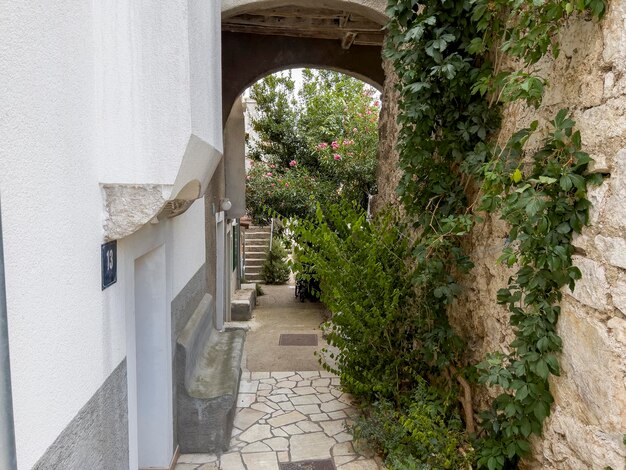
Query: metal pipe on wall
[{"x": 8, "y": 458}]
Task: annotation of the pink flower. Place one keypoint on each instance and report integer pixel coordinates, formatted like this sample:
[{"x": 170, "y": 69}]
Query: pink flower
[
  {"x": 321, "y": 146},
  {"x": 293, "y": 163},
  {"x": 268, "y": 174},
  {"x": 272, "y": 166},
  {"x": 286, "y": 185},
  {"x": 368, "y": 112},
  {"x": 355, "y": 130},
  {"x": 337, "y": 156},
  {"x": 273, "y": 185},
  {"x": 377, "y": 103},
  {"x": 348, "y": 142},
  {"x": 334, "y": 145},
  {"x": 248, "y": 177}
]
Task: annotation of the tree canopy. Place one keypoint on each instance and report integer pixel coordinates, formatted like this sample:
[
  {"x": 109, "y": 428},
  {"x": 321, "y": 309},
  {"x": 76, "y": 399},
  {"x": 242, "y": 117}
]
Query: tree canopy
[{"x": 313, "y": 144}]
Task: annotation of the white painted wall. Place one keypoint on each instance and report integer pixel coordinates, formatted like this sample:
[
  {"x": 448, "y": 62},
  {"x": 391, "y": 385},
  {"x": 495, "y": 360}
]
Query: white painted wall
[
  {"x": 141, "y": 66},
  {"x": 91, "y": 92}
]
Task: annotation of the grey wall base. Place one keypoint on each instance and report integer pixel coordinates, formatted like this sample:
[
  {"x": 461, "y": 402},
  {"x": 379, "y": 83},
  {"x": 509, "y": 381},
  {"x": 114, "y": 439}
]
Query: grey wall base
[
  {"x": 208, "y": 368},
  {"x": 206, "y": 426},
  {"x": 97, "y": 437}
]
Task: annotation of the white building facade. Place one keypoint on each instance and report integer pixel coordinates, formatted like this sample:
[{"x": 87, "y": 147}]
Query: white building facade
[{"x": 111, "y": 129}]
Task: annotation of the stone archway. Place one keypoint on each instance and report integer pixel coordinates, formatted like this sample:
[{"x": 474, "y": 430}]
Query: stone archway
[{"x": 264, "y": 36}]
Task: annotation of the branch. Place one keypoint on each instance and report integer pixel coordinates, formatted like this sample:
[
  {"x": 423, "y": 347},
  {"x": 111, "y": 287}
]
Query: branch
[{"x": 466, "y": 401}]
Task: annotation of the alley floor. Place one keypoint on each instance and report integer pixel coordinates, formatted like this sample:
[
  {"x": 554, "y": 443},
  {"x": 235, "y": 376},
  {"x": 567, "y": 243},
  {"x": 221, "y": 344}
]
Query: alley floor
[{"x": 293, "y": 415}]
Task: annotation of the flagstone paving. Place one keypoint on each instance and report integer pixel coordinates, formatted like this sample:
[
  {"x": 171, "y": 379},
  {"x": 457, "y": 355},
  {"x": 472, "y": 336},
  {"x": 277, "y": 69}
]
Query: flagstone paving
[{"x": 289, "y": 417}]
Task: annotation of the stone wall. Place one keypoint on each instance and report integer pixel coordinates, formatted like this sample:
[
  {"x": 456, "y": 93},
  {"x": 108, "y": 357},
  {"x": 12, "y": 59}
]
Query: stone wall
[
  {"x": 588, "y": 421},
  {"x": 387, "y": 172}
]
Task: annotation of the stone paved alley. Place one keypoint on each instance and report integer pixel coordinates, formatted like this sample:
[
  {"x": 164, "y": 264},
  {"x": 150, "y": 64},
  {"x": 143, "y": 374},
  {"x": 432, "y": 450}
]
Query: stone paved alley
[{"x": 287, "y": 416}]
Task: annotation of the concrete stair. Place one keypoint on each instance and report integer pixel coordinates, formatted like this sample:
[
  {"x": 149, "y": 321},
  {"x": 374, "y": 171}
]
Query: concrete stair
[{"x": 257, "y": 244}]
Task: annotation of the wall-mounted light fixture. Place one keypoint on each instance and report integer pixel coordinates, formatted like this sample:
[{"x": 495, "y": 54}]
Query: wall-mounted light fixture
[{"x": 225, "y": 204}]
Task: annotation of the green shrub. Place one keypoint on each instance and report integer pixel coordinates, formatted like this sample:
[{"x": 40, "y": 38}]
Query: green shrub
[
  {"x": 385, "y": 335},
  {"x": 275, "y": 269},
  {"x": 425, "y": 434}
]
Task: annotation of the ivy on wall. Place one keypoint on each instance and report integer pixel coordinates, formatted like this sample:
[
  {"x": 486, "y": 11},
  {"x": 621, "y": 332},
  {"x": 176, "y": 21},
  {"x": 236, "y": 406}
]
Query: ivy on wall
[{"x": 449, "y": 57}]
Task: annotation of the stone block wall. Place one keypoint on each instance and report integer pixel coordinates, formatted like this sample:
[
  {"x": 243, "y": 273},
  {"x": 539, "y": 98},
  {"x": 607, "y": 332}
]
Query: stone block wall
[{"x": 588, "y": 421}]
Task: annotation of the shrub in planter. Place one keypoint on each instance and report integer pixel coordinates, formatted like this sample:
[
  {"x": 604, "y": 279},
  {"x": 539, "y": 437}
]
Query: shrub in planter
[{"x": 275, "y": 269}]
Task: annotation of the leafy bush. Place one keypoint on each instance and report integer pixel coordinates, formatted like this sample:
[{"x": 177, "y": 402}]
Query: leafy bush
[
  {"x": 425, "y": 434},
  {"x": 275, "y": 269},
  {"x": 386, "y": 337}
]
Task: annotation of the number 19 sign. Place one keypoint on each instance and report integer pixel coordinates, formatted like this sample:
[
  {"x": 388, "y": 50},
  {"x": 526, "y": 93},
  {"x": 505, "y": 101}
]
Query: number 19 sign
[{"x": 109, "y": 264}]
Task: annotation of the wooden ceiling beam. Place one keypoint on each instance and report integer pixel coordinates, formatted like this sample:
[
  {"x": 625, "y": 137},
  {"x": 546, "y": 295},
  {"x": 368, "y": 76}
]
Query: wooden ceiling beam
[
  {"x": 363, "y": 39},
  {"x": 348, "y": 40},
  {"x": 300, "y": 22}
]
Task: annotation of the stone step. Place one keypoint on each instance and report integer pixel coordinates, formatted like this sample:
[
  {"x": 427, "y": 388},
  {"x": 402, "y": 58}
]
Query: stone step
[
  {"x": 253, "y": 269},
  {"x": 257, "y": 236},
  {"x": 242, "y": 303},
  {"x": 258, "y": 241},
  {"x": 254, "y": 262},
  {"x": 258, "y": 228},
  {"x": 256, "y": 255},
  {"x": 255, "y": 279}
]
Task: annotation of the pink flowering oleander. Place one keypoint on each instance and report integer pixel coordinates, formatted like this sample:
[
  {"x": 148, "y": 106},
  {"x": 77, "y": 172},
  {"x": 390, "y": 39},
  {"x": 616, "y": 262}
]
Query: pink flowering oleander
[
  {"x": 286, "y": 185},
  {"x": 348, "y": 142},
  {"x": 377, "y": 103},
  {"x": 334, "y": 145},
  {"x": 337, "y": 156},
  {"x": 268, "y": 174},
  {"x": 293, "y": 163},
  {"x": 355, "y": 130},
  {"x": 323, "y": 145}
]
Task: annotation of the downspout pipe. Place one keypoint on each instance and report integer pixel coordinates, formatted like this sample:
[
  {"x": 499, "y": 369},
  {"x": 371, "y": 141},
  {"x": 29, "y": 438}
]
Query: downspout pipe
[{"x": 8, "y": 459}]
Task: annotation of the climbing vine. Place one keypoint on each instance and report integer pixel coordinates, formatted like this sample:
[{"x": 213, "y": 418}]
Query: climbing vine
[{"x": 452, "y": 59}]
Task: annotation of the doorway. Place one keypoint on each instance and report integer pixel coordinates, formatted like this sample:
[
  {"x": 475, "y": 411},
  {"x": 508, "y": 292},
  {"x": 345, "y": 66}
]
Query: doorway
[{"x": 149, "y": 366}]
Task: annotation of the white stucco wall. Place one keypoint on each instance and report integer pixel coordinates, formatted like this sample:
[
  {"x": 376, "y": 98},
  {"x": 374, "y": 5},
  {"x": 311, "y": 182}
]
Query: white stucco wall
[
  {"x": 188, "y": 245},
  {"x": 141, "y": 66},
  {"x": 91, "y": 93}
]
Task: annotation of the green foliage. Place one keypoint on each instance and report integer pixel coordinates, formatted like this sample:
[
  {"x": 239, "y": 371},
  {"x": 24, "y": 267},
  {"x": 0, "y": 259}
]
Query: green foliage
[
  {"x": 259, "y": 290},
  {"x": 276, "y": 268},
  {"x": 320, "y": 147},
  {"x": 545, "y": 205},
  {"x": 425, "y": 433},
  {"x": 387, "y": 338},
  {"x": 448, "y": 58},
  {"x": 290, "y": 191}
]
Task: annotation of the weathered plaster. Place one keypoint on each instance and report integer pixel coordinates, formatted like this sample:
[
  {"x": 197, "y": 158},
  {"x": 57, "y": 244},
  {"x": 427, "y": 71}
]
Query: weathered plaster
[{"x": 97, "y": 437}]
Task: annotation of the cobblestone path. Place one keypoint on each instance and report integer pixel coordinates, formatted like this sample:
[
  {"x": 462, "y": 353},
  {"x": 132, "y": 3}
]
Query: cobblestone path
[{"x": 288, "y": 417}]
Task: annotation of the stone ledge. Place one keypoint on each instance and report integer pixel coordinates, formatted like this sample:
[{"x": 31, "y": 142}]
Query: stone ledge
[{"x": 242, "y": 304}]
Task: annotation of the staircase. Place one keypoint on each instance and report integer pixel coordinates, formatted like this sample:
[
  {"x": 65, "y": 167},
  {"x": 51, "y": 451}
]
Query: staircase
[{"x": 257, "y": 244}]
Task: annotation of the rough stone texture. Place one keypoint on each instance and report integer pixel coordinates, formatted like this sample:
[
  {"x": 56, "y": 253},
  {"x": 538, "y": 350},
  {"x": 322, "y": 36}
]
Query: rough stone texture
[
  {"x": 208, "y": 367},
  {"x": 387, "y": 172},
  {"x": 242, "y": 304},
  {"x": 97, "y": 438},
  {"x": 182, "y": 307},
  {"x": 264, "y": 435},
  {"x": 588, "y": 420},
  {"x": 128, "y": 207}
]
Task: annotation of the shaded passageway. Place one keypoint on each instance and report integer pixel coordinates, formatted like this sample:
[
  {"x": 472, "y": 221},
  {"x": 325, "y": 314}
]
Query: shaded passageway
[
  {"x": 289, "y": 411},
  {"x": 279, "y": 313}
]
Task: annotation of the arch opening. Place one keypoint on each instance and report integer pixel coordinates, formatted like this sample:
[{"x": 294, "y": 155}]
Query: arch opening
[{"x": 264, "y": 36}]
